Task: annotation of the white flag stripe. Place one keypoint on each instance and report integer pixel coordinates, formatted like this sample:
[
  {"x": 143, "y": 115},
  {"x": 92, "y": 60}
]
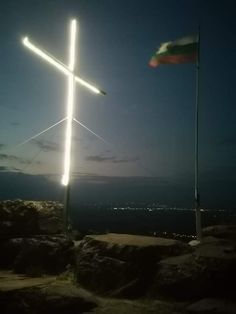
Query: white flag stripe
[{"x": 185, "y": 41}]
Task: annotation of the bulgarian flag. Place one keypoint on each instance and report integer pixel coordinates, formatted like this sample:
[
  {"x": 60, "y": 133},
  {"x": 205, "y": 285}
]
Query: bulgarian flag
[{"x": 182, "y": 50}]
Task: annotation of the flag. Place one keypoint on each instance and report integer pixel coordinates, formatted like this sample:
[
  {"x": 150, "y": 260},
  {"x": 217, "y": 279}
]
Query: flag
[{"x": 182, "y": 50}]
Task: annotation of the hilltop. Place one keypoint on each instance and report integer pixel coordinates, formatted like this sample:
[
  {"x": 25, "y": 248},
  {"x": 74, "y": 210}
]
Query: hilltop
[{"x": 43, "y": 271}]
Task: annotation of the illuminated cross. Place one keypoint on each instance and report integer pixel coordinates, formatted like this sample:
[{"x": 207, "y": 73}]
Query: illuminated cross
[{"x": 72, "y": 79}]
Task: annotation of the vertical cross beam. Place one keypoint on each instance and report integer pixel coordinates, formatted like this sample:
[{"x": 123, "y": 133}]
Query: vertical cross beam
[
  {"x": 70, "y": 104},
  {"x": 70, "y": 107}
]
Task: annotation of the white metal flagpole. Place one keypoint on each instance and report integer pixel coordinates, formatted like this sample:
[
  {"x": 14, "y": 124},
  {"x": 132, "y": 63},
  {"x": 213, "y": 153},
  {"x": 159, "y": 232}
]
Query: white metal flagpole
[{"x": 196, "y": 190}]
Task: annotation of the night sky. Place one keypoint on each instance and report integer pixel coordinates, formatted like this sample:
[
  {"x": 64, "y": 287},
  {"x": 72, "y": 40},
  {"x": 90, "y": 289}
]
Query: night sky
[{"x": 147, "y": 115}]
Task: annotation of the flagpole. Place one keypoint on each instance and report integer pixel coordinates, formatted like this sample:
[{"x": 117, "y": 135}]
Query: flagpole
[{"x": 196, "y": 189}]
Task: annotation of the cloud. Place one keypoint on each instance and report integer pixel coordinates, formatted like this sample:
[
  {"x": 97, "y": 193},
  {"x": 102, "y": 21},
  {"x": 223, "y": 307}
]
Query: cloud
[
  {"x": 99, "y": 158},
  {"x": 84, "y": 174},
  {"x": 124, "y": 160},
  {"x": 92, "y": 187},
  {"x": 132, "y": 188},
  {"x": 2, "y": 168},
  {"x": 134, "y": 180},
  {"x": 8, "y": 169},
  {"x": 13, "y": 158},
  {"x": 19, "y": 160},
  {"x": 113, "y": 159},
  {"x": 47, "y": 146},
  {"x": 19, "y": 185}
]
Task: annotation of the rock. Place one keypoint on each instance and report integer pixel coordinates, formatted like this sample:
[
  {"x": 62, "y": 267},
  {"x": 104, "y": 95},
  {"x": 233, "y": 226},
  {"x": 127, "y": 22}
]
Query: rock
[
  {"x": 22, "y": 295},
  {"x": 212, "y": 306},
  {"x": 210, "y": 271},
  {"x": 29, "y": 240},
  {"x": 10, "y": 248},
  {"x": 124, "y": 306},
  {"x": 24, "y": 218},
  {"x": 44, "y": 255},
  {"x": 221, "y": 231},
  {"x": 38, "y": 255},
  {"x": 121, "y": 264},
  {"x": 216, "y": 249}
]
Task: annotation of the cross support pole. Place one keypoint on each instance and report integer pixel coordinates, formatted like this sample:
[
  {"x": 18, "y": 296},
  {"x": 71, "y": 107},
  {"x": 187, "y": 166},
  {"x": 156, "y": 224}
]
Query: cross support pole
[{"x": 66, "y": 210}]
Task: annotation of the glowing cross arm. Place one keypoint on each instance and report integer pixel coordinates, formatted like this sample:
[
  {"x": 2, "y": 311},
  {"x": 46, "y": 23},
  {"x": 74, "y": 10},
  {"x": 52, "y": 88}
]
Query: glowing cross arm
[
  {"x": 89, "y": 86},
  {"x": 45, "y": 56},
  {"x": 59, "y": 65}
]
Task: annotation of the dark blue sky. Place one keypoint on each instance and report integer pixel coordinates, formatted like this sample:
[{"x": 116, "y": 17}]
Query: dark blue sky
[{"x": 147, "y": 115}]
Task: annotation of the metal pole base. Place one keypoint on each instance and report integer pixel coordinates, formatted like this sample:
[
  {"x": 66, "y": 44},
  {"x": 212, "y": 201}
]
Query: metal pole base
[
  {"x": 198, "y": 224},
  {"x": 66, "y": 209}
]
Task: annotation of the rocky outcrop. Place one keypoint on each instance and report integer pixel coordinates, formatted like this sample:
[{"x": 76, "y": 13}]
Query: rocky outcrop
[
  {"x": 210, "y": 271},
  {"x": 24, "y": 218},
  {"x": 212, "y": 306},
  {"x": 30, "y": 239},
  {"x": 121, "y": 264},
  {"x": 38, "y": 255},
  {"x": 221, "y": 231},
  {"x": 24, "y": 295},
  {"x": 174, "y": 277},
  {"x": 132, "y": 266}
]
